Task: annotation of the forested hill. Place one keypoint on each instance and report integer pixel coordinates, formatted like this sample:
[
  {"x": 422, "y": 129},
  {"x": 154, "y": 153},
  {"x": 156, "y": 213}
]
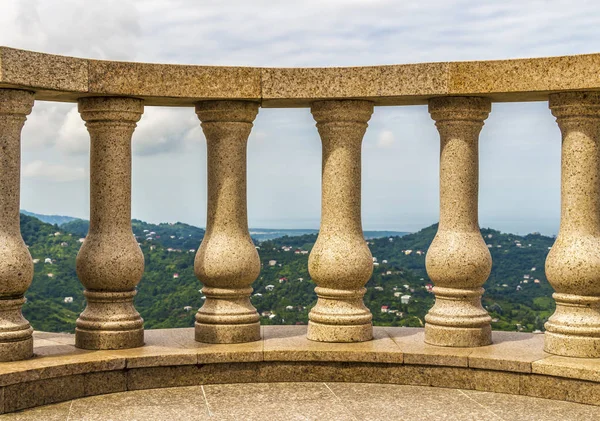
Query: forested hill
[{"x": 169, "y": 293}]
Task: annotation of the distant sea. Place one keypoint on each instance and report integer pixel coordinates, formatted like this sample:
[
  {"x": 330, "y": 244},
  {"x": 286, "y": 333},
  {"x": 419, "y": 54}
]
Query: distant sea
[{"x": 262, "y": 234}]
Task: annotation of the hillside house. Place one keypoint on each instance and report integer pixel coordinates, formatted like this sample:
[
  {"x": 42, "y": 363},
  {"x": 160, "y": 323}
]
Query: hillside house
[
  {"x": 68, "y": 300},
  {"x": 187, "y": 308},
  {"x": 289, "y": 307},
  {"x": 81, "y": 240},
  {"x": 378, "y": 288},
  {"x": 385, "y": 309},
  {"x": 50, "y": 275},
  {"x": 64, "y": 244},
  {"x": 407, "y": 252},
  {"x": 48, "y": 260},
  {"x": 384, "y": 262},
  {"x": 175, "y": 275},
  {"x": 272, "y": 262},
  {"x": 270, "y": 287},
  {"x": 397, "y": 294},
  {"x": 405, "y": 299},
  {"x": 282, "y": 280},
  {"x": 36, "y": 261}
]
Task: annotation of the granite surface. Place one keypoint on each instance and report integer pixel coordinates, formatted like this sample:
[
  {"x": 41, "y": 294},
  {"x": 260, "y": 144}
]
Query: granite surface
[
  {"x": 573, "y": 263},
  {"x": 16, "y": 266},
  {"x": 227, "y": 262},
  {"x": 458, "y": 262},
  {"x": 340, "y": 262},
  {"x": 110, "y": 262},
  {"x": 58, "y": 78}
]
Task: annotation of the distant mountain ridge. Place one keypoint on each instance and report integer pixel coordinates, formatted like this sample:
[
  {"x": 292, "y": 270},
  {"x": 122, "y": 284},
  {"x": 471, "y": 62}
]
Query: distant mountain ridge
[
  {"x": 50, "y": 219},
  {"x": 78, "y": 226}
]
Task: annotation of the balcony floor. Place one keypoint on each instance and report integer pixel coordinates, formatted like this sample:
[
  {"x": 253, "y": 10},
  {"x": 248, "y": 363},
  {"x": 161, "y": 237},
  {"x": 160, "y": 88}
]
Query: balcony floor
[{"x": 308, "y": 401}]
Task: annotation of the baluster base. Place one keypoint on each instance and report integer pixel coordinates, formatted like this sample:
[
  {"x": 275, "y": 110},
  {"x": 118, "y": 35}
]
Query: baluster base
[
  {"x": 16, "y": 342},
  {"x": 574, "y": 328},
  {"x": 227, "y": 317},
  {"x": 458, "y": 337},
  {"x": 339, "y": 333},
  {"x": 227, "y": 334},
  {"x": 340, "y": 316},
  {"x": 110, "y": 321},
  {"x": 457, "y": 319},
  {"x": 16, "y": 351}
]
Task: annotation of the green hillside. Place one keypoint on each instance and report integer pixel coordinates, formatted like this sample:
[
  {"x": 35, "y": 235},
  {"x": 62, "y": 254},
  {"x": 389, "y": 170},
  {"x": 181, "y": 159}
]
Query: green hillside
[{"x": 284, "y": 291}]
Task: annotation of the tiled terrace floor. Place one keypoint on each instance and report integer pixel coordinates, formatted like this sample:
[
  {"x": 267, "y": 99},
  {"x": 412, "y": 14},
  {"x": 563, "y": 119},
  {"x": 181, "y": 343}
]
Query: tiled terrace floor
[{"x": 309, "y": 401}]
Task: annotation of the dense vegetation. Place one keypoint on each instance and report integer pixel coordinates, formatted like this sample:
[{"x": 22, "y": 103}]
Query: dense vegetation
[{"x": 517, "y": 295}]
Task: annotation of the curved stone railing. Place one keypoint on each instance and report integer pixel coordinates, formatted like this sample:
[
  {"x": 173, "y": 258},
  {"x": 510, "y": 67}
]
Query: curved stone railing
[
  {"x": 112, "y": 95},
  {"x": 514, "y": 364}
]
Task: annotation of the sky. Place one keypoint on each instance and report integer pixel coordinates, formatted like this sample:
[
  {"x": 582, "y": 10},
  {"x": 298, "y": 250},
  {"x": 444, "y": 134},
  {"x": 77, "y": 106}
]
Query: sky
[{"x": 519, "y": 144}]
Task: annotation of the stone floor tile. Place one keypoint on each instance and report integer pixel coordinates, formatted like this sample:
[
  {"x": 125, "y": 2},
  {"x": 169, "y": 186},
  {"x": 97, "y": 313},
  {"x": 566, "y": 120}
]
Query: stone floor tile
[
  {"x": 409, "y": 403},
  {"x": 185, "y": 396},
  {"x": 510, "y": 351},
  {"x": 266, "y": 393},
  {"x": 56, "y": 412},
  {"x": 289, "y": 343},
  {"x": 411, "y": 342},
  {"x": 140, "y": 413},
  {"x": 523, "y": 408},
  {"x": 307, "y": 410}
]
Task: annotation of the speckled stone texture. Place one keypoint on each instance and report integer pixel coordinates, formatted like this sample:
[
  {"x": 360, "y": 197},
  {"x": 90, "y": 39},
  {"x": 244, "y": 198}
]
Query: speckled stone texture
[
  {"x": 16, "y": 266},
  {"x": 110, "y": 263},
  {"x": 340, "y": 262},
  {"x": 573, "y": 264},
  {"x": 227, "y": 261},
  {"x": 458, "y": 261}
]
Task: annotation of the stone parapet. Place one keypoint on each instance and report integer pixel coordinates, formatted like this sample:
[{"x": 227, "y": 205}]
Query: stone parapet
[{"x": 513, "y": 364}]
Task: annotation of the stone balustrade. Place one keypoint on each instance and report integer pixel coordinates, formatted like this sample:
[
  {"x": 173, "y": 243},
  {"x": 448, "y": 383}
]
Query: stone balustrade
[{"x": 112, "y": 97}]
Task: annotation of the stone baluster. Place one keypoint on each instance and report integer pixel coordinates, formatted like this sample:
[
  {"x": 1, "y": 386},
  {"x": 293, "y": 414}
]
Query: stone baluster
[
  {"x": 458, "y": 260},
  {"x": 573, "y": 264},
  {"x": 16, "y": 266},
  {"x": 110, "y": 263},
  {"x": 340, "y": 262},
  {"x": 227, "y": 261}
]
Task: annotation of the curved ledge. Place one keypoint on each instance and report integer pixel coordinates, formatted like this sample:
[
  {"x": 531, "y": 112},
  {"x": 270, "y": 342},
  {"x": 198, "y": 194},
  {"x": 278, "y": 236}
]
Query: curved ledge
[
  {"x": 514, "y": 364},
  {"x": 60, "y": 78}
]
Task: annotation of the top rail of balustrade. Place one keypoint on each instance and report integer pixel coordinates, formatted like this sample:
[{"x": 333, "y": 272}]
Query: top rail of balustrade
[{"x": 61, "y": 78}]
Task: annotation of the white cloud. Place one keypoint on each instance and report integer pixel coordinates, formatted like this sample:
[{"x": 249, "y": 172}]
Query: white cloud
[
  {"x": 73, "y": 137},
  {"x": 165, "y": 130},
  {"x": 52, "y": 172},
  {"x": 386, "y": 139}
]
